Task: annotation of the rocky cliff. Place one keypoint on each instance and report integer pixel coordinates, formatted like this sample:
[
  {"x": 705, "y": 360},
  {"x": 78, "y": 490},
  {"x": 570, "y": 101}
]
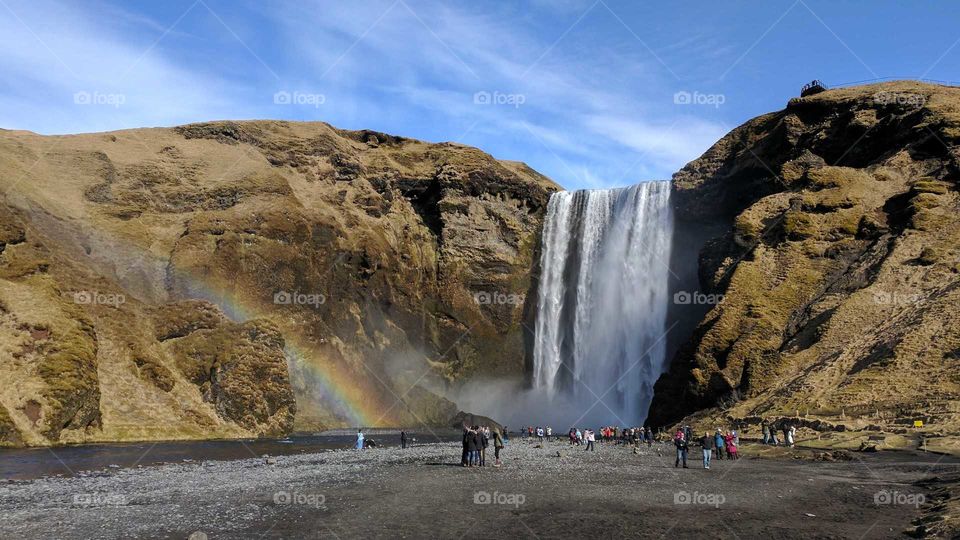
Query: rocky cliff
[
  {"x": 236, "y": 279},
  {"x": 837, "y": 261}
]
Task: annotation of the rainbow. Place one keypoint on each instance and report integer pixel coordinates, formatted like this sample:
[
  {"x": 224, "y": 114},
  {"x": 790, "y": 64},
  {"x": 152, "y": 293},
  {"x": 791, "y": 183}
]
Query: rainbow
[
  {"x": 349, "y": 397},
  {"x": 353, "y": 398}
]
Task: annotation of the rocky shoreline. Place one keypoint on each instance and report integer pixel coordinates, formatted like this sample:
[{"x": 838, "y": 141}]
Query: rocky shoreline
[{"x": 541, "y": 491}]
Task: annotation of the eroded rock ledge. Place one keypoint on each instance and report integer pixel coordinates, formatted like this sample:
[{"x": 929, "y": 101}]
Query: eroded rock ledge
[{"x": 838, "y": 262}]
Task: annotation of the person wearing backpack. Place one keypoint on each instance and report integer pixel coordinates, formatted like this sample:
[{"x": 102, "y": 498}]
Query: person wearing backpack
[{"x": 497, "y": 446}]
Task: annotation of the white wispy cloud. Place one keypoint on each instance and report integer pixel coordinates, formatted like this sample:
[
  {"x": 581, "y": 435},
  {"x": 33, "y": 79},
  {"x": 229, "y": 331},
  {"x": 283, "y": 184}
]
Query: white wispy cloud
[
  {"x": 592, "y": 112},
  {"x": 577, "y": 108},
  {"x": 53, "y": 51}
]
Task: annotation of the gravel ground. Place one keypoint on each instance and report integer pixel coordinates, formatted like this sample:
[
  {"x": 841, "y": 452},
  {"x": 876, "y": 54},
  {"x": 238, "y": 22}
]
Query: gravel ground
[{"x": 423, "y": 492}]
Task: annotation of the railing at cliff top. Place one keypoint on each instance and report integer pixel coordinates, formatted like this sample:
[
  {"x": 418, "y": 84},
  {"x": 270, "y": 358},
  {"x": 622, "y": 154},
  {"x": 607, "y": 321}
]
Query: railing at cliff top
[{"x": 881, "y": 79}]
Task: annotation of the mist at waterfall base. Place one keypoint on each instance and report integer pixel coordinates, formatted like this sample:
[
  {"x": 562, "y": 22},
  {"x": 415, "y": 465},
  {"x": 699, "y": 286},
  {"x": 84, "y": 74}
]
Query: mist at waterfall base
[{"x": 601, "y": 314}]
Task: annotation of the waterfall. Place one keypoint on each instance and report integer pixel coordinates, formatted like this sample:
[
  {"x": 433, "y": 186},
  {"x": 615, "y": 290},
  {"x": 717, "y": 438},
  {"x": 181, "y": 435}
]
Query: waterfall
[{"x": 600, "y": 341}]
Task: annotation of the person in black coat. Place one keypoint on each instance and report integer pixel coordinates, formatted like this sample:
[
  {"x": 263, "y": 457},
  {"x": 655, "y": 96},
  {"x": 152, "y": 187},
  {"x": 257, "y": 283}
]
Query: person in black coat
[
  {"x": 403, "y": 439},
  {"x": 474, "y": 446},
  {"x": 682, "y": 445},
  {"x": 708, "y": 443},
  {"x": 467, "y": 437}
]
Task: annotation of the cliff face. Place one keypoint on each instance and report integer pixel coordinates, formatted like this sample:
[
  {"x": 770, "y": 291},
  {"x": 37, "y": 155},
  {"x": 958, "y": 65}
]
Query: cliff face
[
  {"x": 837, "y": 261},
  {"x": 236, "y": 279}
]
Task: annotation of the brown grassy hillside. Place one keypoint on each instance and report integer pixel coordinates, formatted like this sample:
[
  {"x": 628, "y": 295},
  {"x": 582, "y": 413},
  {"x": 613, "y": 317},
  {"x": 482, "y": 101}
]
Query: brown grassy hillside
[
  {"x": 237, "y": 278},
  {"x": 840, "y": 265}
]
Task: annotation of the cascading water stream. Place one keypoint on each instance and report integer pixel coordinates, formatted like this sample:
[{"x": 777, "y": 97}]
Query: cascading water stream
[{"x": 600, "y": 340}]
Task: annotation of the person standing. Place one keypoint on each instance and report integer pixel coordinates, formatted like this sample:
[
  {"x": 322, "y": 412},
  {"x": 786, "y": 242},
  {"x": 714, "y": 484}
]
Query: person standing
[
  {"x": 649, "y": 437},
  {"x": 791, "y": 434},
  {"x": 474, "y": 446},
  {"x": 589, "y": 436},
  {"x": 484, "y": 443},
  {"x": 718, "y": 443},
  {"x": 465, "y": 459},
  {"x": 403, "y": 439},
  {"x": 708, "y": 443},
  {"x": 731, "y": 447},
  {"x": 773, "y": 435},
  {"x": 359, "y": 443},
  {"x": 766, "y": 432},
  {"x": 680, "y": 442},
  {"x": 497, "y": 446}
]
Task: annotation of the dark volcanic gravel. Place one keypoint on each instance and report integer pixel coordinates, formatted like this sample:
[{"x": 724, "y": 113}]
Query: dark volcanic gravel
[{"x": 422, "y": 492}]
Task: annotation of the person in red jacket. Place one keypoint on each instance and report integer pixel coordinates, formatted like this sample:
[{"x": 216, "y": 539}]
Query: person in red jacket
[{"x": 731, "y": 446}]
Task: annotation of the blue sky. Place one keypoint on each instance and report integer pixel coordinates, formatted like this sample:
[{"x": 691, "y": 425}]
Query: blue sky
[{"x": 584, "y": 91}]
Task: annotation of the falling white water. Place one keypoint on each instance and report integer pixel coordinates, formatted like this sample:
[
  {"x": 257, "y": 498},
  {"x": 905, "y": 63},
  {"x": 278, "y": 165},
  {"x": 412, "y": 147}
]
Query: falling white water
[{"x": 600, "y": 340}]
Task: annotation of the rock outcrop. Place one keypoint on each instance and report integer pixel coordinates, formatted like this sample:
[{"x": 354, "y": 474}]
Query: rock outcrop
[
  {"x": 837, "y": 262},
  {"x": 235, "y": 279}
]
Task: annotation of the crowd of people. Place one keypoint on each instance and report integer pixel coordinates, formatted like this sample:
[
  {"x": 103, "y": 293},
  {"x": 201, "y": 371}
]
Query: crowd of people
[
  {"x": 770, "y": 433},
  {"x": 718, "y": 445},
  {"x": 476, "y": 440},
  {"x": 589, "y": 437},
  {"x": 610, "y": 434},
  {"x": 726, "y": 445}
]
